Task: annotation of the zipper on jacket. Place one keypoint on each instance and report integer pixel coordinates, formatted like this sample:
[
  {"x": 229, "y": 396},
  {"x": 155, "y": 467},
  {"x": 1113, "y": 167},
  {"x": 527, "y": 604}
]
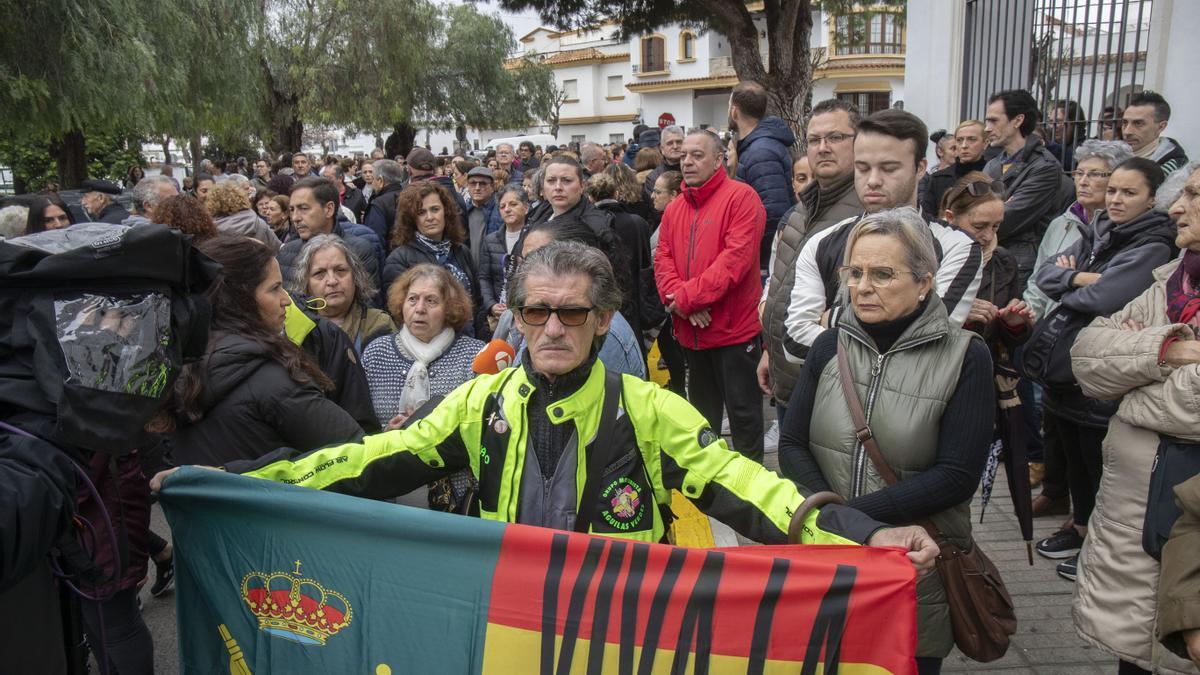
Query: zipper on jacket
[
  {"x": 691, "y": 252},
  {"x": 859, "y": 458}
]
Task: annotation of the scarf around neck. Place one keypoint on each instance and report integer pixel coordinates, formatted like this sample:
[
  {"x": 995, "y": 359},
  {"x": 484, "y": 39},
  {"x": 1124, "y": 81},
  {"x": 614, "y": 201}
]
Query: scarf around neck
[
  {"x": 1183, "y": 291},
  {"x": 416, "y": 384},
  {"x": 440, "y": 248}
]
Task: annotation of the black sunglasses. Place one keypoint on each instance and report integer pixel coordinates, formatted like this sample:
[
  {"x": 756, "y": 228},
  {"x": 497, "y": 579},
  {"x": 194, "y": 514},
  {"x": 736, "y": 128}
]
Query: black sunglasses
[{"x": 538, "y": 315}]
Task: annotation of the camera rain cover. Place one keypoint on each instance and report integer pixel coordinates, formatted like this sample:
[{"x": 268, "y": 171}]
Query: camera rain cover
[{"x": 96, "y": 321}]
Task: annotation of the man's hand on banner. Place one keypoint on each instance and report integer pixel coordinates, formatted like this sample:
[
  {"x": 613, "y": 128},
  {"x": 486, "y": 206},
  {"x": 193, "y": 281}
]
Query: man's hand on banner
[
  {"x": 922, "y": 550},
  {"x": 156, "y": 483}
]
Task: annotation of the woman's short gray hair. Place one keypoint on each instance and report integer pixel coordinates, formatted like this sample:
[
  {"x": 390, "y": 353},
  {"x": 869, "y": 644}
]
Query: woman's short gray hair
[
  {"x": 516, "y": 190},
  {"x": 1112, "y": 152},
  {"x": 569, "y": 258},
  {"x": 1172, "y": 187},
  {"x": 906, "y": 226},
  {"x": 364, "y": 287}
]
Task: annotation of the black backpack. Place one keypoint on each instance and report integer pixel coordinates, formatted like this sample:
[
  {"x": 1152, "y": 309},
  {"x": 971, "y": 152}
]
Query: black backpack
[{"x": 96, "y": 321}]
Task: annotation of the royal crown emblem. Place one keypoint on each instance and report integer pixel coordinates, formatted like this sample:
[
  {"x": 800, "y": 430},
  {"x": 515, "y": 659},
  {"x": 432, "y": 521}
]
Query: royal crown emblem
[{"x": 295, "y": 608}]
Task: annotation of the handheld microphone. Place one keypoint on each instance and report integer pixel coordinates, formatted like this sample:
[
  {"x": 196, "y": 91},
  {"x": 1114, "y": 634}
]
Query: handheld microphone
[{"x": 493, "y": 358}]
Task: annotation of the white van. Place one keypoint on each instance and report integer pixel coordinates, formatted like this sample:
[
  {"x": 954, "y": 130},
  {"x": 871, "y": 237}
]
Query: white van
[{"x": 537, "y": 139}]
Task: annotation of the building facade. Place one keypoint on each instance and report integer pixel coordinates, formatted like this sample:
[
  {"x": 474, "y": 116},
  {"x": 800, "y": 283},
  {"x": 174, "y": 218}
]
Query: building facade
[{"x": 684, "y": 75}]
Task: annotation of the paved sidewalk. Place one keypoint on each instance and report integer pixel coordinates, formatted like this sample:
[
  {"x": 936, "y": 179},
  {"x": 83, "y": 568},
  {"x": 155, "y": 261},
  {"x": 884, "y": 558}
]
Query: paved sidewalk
[{"x": 1046, "y": 641}]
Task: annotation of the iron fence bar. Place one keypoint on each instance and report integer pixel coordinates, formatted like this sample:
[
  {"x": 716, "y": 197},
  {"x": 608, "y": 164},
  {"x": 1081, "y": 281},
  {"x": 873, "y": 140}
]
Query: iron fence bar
[
  {"x": 1087, "y": 15},
  {"x": 1121, "y": 47},
  {"x": 1137, "y": 45},
  {"x": 1108, "y": 52}
]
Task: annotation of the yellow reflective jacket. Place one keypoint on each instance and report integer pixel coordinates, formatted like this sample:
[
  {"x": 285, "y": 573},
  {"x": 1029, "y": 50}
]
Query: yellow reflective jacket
[{"x": 481, "y": 425}]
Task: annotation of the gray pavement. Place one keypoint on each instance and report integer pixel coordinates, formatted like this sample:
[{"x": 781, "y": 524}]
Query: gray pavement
[{"x": 1045, "y": 643}]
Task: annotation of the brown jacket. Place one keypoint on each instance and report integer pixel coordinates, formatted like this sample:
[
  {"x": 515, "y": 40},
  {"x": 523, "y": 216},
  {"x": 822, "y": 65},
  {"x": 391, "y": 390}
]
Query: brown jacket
[
  {"x": 1117, "y": 588},
  {"x": 1179, "y": 587}
]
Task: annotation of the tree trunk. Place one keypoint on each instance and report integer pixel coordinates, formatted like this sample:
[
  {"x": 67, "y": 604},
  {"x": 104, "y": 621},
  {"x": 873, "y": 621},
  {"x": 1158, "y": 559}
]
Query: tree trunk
[
  {"x": 787, "y": 76},
  {"x": 400, "y": 141},
  {"x": 197, "y": 152},
  {"x": 70, "y": 154},
  {"x": 166, "y": 146}
]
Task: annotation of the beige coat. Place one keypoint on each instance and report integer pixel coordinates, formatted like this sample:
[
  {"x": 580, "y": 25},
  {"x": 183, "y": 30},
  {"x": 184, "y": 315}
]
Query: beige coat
[
  {"x": 1179, "y": 589},
  {"x": 1117, "y": 588}
]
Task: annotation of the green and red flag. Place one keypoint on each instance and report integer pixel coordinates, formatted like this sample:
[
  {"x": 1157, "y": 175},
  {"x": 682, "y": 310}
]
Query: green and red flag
[{"x": 272, "y": 578}]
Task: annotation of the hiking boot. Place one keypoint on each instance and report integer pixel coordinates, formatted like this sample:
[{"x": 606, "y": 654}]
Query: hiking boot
[
  {"x": 164, "y": 576},
  {"x": 1063, "y": 544},
  {"x": 1049, "y": 506},
  {"x": 1067, "y": 569}
]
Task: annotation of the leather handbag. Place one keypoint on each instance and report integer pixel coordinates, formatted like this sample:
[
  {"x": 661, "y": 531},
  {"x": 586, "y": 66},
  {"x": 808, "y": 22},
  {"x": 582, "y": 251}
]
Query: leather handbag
[{"x": 981, "y": 610}]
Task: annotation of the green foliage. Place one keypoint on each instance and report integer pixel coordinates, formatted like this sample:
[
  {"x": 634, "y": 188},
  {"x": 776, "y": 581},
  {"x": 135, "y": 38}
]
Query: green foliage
[{"x": 108, "y": 156}]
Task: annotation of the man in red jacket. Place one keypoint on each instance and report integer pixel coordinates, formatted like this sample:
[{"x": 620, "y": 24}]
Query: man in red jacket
[{"x": 706, "y": 266}]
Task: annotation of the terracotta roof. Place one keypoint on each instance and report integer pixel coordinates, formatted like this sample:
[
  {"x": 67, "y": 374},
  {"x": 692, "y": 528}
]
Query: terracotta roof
[
  {"x": 713, "y": 82},
  {"x": 1105, "y": 59},
  {"x": 586, "y": 54}
]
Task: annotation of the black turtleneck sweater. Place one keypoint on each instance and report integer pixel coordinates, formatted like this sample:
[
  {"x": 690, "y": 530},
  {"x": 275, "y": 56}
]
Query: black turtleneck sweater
[
  {"x": 964, "y": 437},
  {"x": 549, "y": 439}
]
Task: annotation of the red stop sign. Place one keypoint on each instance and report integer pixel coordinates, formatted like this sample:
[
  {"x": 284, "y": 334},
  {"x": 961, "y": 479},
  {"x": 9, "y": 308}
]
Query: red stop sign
[{"x": 665, "y": 120}]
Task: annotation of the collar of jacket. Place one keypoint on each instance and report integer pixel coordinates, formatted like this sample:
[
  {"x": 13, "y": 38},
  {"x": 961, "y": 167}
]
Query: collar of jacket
[
  {"x": 1033, "y": 143},
  {"x": 932, "y": 324},
  {"x": 961, "y": 169},
  {"x": 296, "y": 324},
  {"x": 815, "y": 198},
  {"x": 698, "y": 195},
  {"x": 571, "y": 392},
  {"x": 1153, "y": 224}
]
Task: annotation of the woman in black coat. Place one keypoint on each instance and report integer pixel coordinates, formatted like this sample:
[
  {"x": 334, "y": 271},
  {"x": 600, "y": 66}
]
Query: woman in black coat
[
  {"x": 254, "y": 391},
  {"x": 428, "y": 229}
]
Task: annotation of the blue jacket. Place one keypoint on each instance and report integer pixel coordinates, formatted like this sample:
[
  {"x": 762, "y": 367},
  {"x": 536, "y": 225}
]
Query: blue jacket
[
  {"x": 491, "y": 214},
  {"x": 765, "y": 163},
  {"x": 364, "y": 232}
]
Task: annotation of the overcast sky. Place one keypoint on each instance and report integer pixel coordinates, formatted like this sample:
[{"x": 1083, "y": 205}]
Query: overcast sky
[{"x": 520, "y": 23}]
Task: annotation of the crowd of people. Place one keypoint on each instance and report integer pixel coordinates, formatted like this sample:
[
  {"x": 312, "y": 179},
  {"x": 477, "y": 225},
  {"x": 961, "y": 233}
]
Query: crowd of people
[{"x": 1037, "y": 263}]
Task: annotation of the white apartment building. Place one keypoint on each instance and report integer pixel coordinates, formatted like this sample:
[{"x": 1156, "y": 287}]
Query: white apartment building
[{"x": 686, "y": 74}]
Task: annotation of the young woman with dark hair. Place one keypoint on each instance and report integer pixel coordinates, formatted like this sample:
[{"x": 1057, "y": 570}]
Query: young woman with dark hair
[
  {"x": 255, "y": 390},
  {"x": 48, "y": 211}
]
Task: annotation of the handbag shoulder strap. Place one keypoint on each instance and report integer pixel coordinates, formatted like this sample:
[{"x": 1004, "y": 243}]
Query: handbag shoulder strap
[{"x": 861, "y": 429}]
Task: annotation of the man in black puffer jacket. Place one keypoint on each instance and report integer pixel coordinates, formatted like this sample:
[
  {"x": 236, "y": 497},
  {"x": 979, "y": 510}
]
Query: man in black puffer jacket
[{"x": 764, "y": 158}]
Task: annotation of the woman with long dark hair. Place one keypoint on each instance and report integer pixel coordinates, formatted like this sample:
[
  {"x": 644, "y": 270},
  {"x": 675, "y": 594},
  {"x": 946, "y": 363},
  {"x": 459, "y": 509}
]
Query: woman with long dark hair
[
  {"x": 48, "y": 211},
  {"x": 255, "y": 390}
]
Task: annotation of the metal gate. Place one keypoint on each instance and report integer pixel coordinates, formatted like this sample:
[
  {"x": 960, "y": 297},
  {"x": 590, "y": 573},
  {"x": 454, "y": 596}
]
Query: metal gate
[{"x": 1081, "y": 59}]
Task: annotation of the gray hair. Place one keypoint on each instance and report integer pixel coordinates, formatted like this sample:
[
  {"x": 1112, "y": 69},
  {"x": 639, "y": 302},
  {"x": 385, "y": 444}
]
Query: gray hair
[
  {"x": 145, "y": 193},
  {"x": 717, "y": 146},
  {"x": 514, "y": 189},
  {"x": 674, "y": 130},
  {"x": 536, "y": 183},
  {"x": 388, "y": 170},
  {"x": 1172, "y": 187},
  {"x": 590, "y": 150},
  {"x": 12, "y": 221},
  {"x": 907, "y": 226},
  {"x": 569, "y": 258},
  {"x": 238, "y": 179},
  {"x": 364, "y": 287},
  {"x": 509, "y": 145},
  {"x": 1112, "y": 152}
]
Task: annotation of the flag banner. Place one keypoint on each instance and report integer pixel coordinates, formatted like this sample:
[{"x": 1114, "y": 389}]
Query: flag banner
[{"x": 273, "y": 578}]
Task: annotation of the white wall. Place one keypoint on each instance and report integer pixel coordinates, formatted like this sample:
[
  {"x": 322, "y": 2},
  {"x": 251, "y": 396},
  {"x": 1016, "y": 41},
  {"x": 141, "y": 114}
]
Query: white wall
[
  {"x": 1171, "y": 70},
  {"x": 933, "y": 62}
]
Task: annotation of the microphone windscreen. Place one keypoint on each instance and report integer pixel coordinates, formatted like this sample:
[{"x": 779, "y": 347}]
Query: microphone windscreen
[{"x": 495, "y": 357}]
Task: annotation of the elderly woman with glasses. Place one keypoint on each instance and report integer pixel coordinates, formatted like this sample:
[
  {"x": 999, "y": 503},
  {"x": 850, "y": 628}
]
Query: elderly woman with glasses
[{"x": 928, "y": 385}]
